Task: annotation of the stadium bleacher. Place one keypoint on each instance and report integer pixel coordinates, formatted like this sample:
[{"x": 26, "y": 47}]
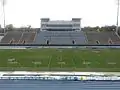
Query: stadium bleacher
[
  {"x": 102, "y": 38},
  {"x": 18, "y": 37},
  {"x": 27, "y": 37},
  {"x": 61, "y": 37},
  {"x": 60, "y": 32},
  {"x": 12, "y": 35}
]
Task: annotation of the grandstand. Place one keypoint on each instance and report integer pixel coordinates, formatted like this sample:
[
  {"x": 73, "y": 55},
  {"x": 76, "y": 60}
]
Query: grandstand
[
  {"x": 27, "y": 37},
  {"x": 60, "y": 32},
  {"x": 103, "y": 38},
  {"x": 61, "y": 37},
  {"x": 11, "y": 37},
  {"x": 16, "y": 37}
]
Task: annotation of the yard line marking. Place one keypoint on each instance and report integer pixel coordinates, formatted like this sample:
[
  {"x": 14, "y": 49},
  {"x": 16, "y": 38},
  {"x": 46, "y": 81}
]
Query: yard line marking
[
  {"x": 74, "y": 65},
  {"x": 50, "y": 59}
]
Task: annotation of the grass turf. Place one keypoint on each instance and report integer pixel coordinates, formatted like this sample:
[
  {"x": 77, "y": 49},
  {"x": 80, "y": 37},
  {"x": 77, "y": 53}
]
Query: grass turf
[{"x": 60, "y": 59}]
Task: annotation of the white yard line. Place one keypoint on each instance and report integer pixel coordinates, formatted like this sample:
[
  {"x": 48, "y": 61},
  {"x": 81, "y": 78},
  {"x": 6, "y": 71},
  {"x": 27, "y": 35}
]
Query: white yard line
[
  {"x": 49, "y": 62},
  {"x": 74, "y": 64}
]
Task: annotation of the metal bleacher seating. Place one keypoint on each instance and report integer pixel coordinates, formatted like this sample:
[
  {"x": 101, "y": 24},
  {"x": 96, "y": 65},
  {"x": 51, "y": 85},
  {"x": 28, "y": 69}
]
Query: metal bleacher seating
[
  {"x": 60, "y": 37},
  {"x": 102, "y": 38},
  {"x": 18, "y": 37},
  {"x": 11, "y": 36},
  {"x": 27, "y": 37}
]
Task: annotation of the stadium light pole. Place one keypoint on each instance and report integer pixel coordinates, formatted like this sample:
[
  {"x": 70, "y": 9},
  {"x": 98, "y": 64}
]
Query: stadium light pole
[
  {"x": 117, "y": 23},
  {"x": 4, "y": 14},
  {"x": 3, "y": 2}
]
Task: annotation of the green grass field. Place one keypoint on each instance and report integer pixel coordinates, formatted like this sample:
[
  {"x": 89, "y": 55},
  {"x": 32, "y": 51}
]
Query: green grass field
[{"x": 60, "y": 59}]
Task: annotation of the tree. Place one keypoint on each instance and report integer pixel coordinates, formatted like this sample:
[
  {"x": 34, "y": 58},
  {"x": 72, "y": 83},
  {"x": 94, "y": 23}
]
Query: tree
[
  {"x": 108, "y": 28},
  {"x": 29, "y": 26},
  {"x": 87, "y": 28},
  {"x": 118, "y": 31},
  {"x": 26, "y": 28},
  {"x": 9, "y": 27}
]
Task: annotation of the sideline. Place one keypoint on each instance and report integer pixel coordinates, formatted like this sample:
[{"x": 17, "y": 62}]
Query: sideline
[
  {"x": 60, "y": 73},
  {"x": 64, "y": 76}
]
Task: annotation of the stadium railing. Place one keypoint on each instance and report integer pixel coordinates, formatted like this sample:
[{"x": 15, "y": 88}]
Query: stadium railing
[
  {"x": 27, "y": 46},
  {"x": 58, "y": 45}
]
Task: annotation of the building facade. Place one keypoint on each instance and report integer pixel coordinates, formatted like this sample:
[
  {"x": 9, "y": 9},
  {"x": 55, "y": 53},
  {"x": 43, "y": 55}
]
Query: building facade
[{"x": 60, "y": 25}]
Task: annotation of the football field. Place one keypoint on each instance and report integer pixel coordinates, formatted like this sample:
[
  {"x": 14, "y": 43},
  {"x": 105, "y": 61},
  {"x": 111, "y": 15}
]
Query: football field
[{"x": 51, "y": 59}]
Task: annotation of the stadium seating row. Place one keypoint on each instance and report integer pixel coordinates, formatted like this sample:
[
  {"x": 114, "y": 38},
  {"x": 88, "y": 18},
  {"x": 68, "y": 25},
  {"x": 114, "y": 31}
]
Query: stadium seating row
[
  {"x": 102, "y": 38},
  {"x": 60, "y": 37},
  {"x": 17, "y": 37}
]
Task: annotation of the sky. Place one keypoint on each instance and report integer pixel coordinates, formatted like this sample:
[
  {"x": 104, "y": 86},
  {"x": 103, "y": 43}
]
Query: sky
[{"x": 28, "y": 12}]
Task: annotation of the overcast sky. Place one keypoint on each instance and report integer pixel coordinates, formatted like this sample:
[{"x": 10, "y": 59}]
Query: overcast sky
[{"x": 28, "y": 12}]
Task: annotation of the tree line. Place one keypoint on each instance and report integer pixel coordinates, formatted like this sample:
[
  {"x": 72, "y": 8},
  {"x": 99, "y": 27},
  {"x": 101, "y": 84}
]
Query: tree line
[
  {"x": 100, "y": 29},
  {"x": 10, "y": 27}
]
